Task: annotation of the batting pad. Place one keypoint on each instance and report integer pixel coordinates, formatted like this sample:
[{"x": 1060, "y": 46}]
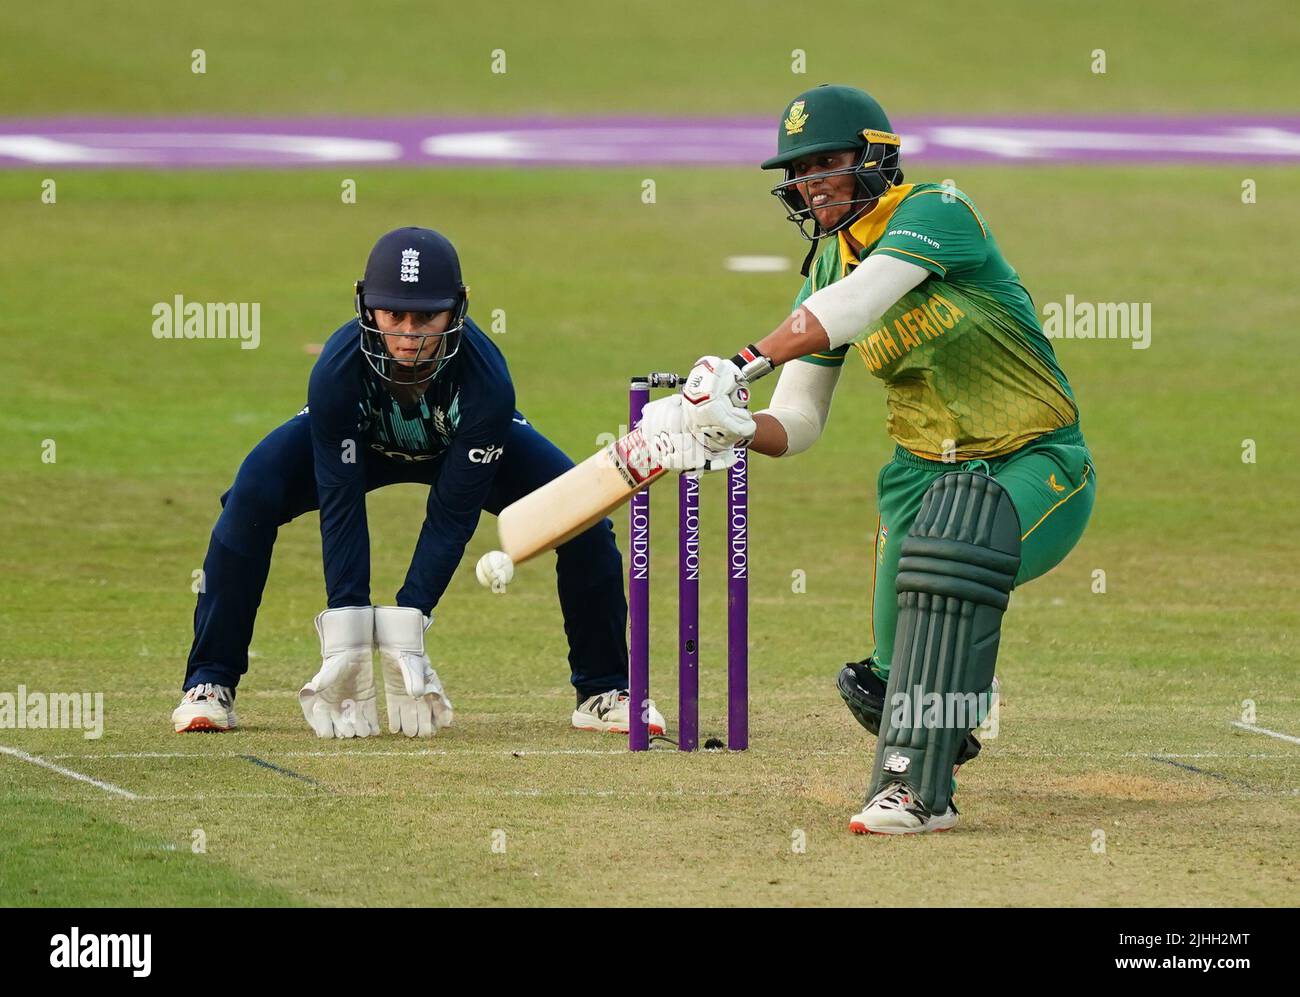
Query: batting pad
[{"x": 957, "y": 567}]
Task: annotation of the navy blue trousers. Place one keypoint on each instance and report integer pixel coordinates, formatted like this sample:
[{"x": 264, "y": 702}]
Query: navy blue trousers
[{"x": 277, "y": 483}]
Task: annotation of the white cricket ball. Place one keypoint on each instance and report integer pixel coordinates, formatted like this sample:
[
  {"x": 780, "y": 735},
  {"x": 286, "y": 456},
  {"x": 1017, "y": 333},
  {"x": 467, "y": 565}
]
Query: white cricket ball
[{"x": 495, "y": 570}]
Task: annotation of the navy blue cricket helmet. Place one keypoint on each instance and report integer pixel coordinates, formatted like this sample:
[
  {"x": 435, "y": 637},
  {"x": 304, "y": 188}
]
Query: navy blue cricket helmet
[{"x": 411, "y": 270}]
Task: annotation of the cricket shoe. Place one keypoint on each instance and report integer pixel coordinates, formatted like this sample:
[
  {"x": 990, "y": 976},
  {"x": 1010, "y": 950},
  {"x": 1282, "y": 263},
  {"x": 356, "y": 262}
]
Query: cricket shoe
[
  {"x": 607, "y": 713},
  {"x": 205, "y": 707},
  {"x": 896, "y": 810}
]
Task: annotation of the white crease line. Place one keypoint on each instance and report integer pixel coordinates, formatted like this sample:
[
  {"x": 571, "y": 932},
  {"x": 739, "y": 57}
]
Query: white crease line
[
  {"x": 620, "y": 794},
  {"x": 290, "y": 694},
  {"x": 1209, "y": 754},
  {"x": 454, "y": 751},
  {"x": 1136, "y": 754},
  {"x": 1264, "y": 730},
  {"x": 609, "y": 751},
  {"x": 1013, "y": 753},
  {"x": 201, "y": 797},
  {"x": 562, "y": 752},
  {"x": 360, "y": 753},
  {"x": 108, "y": 787},
  {"x": 491, "y": 794}
]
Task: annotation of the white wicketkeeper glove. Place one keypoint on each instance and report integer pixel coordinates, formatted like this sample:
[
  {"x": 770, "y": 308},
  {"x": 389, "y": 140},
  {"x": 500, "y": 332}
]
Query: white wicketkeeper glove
[
  {"x": 716, "y": 411},
  {"x": 417, "y": 706},
  {"x": 663, "y": 424},
  {"x": 340, "y": 700}
]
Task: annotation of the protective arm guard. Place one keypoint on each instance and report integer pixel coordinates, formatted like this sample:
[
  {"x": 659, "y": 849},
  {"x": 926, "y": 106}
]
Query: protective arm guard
[{"x": 957, "y": 567}]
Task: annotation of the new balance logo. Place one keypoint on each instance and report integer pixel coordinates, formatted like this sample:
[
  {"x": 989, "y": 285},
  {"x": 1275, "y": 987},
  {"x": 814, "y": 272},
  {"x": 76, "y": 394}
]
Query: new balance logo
[
  {"x": 896, "y": 763},
  {"x": 410, "y": 266}
]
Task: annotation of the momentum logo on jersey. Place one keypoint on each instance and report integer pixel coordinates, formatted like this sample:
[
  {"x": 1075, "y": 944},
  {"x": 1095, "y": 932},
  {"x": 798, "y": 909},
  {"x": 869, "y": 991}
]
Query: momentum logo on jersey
[
  {"x": 485, "y": 455},
  {"x": 932, "y": 243}
]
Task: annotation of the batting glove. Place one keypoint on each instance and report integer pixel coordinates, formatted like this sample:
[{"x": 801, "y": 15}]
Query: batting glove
[
  {"x": 417, "y": 706},
  {"x": 340, "y": 700},
  {"x": 674, "y": 447},
  {"x": 716, "y": 397}
]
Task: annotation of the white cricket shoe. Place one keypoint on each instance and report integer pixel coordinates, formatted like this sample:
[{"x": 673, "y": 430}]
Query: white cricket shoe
[
  {"x": 206, "y": 707},
  {"x": 896, "y": 810},
  {"x": 607, "y": 713}
]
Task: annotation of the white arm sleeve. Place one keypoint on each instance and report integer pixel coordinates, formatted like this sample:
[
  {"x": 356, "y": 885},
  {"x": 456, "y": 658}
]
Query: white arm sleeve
[
  {"x": 802, "y": 402},
  {"x": 848, "y": 306}
]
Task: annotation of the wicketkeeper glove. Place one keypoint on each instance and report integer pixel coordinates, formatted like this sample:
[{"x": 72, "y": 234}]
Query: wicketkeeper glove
[
  {"x": 340, "y": 699},
  {"x": 417, "y": 706}
]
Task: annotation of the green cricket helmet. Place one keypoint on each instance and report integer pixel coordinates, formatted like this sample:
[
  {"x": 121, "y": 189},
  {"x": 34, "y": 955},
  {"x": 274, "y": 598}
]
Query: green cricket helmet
[{"x": 832, "y": 118}]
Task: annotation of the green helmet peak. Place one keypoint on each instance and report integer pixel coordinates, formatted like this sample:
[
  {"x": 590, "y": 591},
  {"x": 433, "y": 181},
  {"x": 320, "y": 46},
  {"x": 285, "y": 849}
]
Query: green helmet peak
[{"x": 825, "y": 118}]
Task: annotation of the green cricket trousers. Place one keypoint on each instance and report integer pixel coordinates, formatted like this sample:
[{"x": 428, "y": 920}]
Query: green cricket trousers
[{"x": 1051, "y": 481}]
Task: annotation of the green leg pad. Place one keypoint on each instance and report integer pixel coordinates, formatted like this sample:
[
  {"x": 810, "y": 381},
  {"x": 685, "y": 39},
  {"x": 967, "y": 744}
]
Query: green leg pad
[{"x": 955, "y": 575}]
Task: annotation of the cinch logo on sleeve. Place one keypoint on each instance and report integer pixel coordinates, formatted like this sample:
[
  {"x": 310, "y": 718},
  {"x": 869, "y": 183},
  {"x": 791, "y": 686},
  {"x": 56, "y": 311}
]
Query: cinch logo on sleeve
[
  {"x": 77, "y": 951},
  {"x": 485, "y": 455}
]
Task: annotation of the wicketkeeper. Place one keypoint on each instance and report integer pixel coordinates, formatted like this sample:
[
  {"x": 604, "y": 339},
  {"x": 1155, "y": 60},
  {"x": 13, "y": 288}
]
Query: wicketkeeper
[
  {"x": 991, "y": 483},
  {"x": 411, "y": 390}
]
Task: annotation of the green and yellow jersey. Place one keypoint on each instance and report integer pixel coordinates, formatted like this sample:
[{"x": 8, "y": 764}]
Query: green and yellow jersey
[{"x": 968, "y": 372}]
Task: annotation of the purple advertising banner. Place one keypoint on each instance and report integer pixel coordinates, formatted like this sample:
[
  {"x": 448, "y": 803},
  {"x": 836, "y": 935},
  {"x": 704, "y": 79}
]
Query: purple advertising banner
[{"x": 621, "y": 141}]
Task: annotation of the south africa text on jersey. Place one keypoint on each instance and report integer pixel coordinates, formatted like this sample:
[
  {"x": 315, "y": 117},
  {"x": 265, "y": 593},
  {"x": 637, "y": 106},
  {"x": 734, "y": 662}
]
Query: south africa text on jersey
[{"x": 935, "y": 316}]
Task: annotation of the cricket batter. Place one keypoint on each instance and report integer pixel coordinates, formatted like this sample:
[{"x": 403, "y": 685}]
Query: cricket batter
[
  {"x": 991, "y": 483},
  {"x": 411, "y": 390}
]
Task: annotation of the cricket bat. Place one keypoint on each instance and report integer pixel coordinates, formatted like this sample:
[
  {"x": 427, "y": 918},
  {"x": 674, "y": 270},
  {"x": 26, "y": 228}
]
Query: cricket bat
[{"x": 561, "y": 509}]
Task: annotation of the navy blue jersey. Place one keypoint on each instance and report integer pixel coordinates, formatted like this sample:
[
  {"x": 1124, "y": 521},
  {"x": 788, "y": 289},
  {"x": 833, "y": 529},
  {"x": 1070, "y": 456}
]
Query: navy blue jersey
[{"x": 460, "y": 422}]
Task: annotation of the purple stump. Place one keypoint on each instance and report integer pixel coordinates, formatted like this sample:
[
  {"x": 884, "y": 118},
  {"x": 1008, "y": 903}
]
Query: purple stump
[
  {"x": 738, "y": 603},
  {"x": 688, "y": 610},
  {"x": 638, "y": 585}
]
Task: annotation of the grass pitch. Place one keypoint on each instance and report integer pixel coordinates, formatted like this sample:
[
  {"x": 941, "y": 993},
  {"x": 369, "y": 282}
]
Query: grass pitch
[
  {"x": 1118, "y": 706},
  {"x": 584, "y": 57}
]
